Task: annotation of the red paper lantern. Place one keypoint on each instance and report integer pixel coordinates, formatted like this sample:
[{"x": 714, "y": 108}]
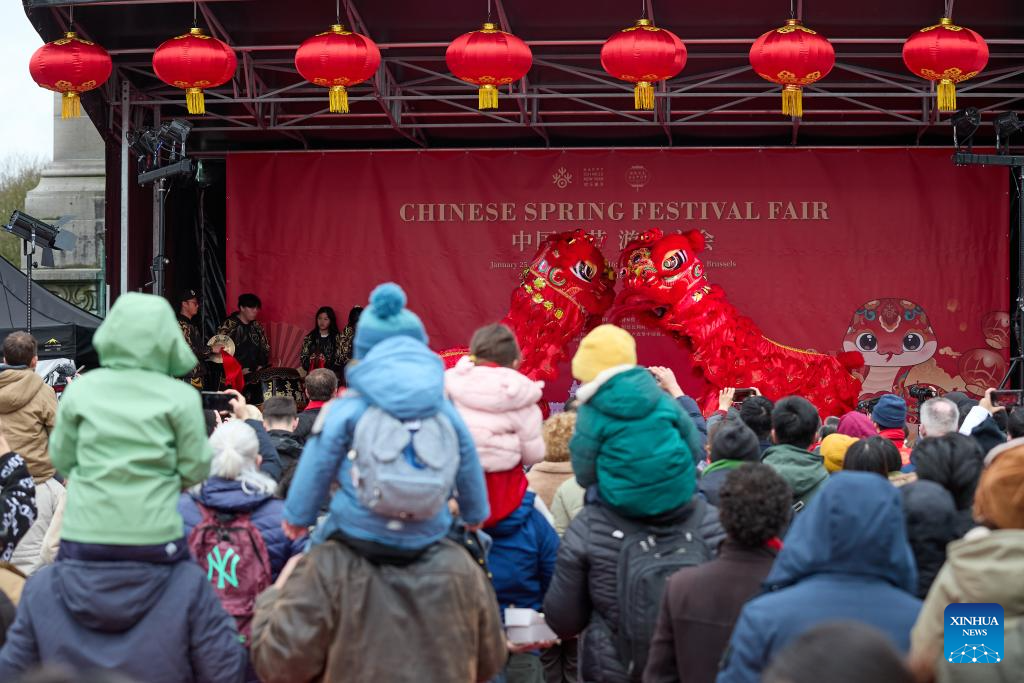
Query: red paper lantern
[
  {"x": 792, "y": 56},
  {"x": 643, "y": 54},
  {"x": 946, "y": 53},
  {"x": 70, "y": 66},
  {"x": 194, "y": 61},
  {"x": 336, "y": 59},
  {"x": 488, "y": 58}
]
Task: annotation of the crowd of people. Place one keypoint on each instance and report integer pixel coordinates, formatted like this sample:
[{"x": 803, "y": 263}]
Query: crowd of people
[{"x": 417, "y": 524}]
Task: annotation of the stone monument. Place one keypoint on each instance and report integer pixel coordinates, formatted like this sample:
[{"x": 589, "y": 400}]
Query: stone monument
[{"x": 74, "y": 185}]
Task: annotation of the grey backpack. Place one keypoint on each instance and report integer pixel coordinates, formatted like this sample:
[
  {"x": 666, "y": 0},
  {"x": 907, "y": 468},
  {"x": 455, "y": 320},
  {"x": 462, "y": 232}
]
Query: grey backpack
[
  {"x": 404, "y": 469},
  {"x": 648, "y": 556}
]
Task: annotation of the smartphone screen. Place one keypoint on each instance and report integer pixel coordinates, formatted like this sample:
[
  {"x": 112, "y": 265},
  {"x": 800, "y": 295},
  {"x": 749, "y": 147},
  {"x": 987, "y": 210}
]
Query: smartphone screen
[
  {"x": 742, "y": 394},
  {"x": 216, "y": 400},
  {"x": 1006, "y": 398}
]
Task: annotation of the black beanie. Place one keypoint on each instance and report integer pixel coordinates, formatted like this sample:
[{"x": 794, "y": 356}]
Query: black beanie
[{"x": 735, "y": 441}]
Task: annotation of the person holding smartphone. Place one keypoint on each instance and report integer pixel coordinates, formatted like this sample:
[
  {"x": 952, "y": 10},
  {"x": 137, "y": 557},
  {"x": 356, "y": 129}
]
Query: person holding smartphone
[{"x": 666, "y": 379}]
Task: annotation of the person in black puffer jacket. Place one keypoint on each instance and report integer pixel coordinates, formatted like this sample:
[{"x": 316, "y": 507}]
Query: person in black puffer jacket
[
  {"x": 583, "y": 592},
  {"x": 932, "y": 523},
  {"x": 954, "y": 462}
]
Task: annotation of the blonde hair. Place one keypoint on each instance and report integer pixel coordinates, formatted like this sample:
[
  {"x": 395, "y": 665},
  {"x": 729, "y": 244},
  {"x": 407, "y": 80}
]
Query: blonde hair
[
  {"x": 557, "y": 432},
  {"x": 235, "y": 452}
]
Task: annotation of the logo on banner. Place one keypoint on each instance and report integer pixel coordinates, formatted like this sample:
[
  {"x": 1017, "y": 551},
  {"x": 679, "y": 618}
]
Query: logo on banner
[
  {"x": 637, "y": 177},
  {"x": 593, "y": 176},
  {"x": 52, "y": 345},
  {"x": 561, "y": 178},
  {"x": 973, "y": 633}
]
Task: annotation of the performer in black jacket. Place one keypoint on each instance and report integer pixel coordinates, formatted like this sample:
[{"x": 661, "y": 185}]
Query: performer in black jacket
[
  {"x": 188, "y": 308},
  {"x": 252, "y": 347},
  {"x": 326, "y": 346}
]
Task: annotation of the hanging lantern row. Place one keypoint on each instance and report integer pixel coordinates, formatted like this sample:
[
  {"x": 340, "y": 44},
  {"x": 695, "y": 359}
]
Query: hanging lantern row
[{"x": 792, "y": 56}]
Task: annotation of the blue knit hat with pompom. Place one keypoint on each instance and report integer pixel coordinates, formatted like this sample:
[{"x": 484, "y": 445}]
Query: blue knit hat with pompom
[{"x": 386, "y": 316}]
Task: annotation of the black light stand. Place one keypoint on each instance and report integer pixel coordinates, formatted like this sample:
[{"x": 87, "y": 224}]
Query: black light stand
[
  {"x": 33, "y": 231},
  {"x": 1016, "y": 166},
  {"x": 30, "y": 255},
  {"x": 161, "y": 155}
]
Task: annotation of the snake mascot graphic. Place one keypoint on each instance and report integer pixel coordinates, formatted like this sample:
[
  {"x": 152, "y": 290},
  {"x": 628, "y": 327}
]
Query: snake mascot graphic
[
  {"x": 899, "y": 348},
  {"x": 565, "y": 291},
  {"x": 662, "y": 283}
]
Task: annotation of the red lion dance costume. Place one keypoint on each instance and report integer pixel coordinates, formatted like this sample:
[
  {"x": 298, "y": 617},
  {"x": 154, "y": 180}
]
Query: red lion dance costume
[
  {"x": 565, "y": 291},
  {"x": 665, "y": 288}
]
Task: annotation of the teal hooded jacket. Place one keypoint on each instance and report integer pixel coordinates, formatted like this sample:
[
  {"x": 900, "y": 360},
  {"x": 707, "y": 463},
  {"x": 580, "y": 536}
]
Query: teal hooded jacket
[
  {"x": 635, "y": 442},
  {"x": 129, "y": 437}
]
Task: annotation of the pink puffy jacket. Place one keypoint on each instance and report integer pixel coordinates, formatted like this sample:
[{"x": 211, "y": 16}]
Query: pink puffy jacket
[{"x": 499, "y": 405}]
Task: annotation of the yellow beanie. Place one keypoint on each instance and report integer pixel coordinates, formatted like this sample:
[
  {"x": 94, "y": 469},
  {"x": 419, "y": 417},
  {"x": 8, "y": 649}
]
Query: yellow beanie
[
  {"x": 605, "y": 347},
  {"x": 833, "y": 449}
]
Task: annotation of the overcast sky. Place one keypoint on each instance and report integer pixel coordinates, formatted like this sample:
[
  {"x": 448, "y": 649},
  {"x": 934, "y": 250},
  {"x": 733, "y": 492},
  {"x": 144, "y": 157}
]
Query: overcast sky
[{"x": 26, "y": 110}]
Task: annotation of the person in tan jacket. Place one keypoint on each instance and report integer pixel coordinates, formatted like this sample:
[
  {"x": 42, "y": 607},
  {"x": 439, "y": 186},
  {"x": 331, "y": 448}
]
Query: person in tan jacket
[
  {"x": 28, "y": 406},
  {"x": 334, "y": 615},
  {"x": 545, "y": 477},
  {"x": 985, "y": 566},
  {"x": 28, "y": 410}
]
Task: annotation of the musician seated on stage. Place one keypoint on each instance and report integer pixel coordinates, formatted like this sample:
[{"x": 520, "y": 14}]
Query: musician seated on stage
[{"x": 252, "y": 347}]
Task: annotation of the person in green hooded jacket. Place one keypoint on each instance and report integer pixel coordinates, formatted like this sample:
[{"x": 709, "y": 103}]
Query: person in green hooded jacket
[
  {"x": 632, "y": 439},
  {"x": 795, "y": 424},
  {"x": 129, "y": 438}
]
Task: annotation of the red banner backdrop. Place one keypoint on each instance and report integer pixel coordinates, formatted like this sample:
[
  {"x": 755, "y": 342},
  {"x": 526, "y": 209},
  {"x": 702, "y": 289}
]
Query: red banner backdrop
[{"x": 820, "y": 247}]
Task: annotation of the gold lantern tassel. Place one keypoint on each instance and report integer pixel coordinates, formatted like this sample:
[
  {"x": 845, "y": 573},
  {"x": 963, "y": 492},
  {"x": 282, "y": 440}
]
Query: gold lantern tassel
[
  {"x": 793, "y": 101},
  {"x": 643, "y": 96},
  {"x": 947, "y": 95},
  {"x": 194, "y": 101},
  {"x": 70, "y": 106},
  {"x": 339, "y": 99},
  {"x": 488, "y": 97}
]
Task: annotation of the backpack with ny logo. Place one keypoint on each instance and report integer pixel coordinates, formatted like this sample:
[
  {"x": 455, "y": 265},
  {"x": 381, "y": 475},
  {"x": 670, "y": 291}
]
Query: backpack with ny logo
[
  {"x": 404, "y": 470},
  {"x": 232, "y": 551}
]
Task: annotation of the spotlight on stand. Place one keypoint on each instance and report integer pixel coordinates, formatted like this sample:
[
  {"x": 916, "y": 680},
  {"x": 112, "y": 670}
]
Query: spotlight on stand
[
  {"x": 45, "y": 235},
  {"x": 1006, "y": 125},
  {"x": 965, "y": 125},
  {"x": 173, "y": 135},
  {"x": 176, "y": 131},
  {"x": 161, "y": 156},
  {"x": 144, "y": 145},
  {"x": 34, "y": 232}
]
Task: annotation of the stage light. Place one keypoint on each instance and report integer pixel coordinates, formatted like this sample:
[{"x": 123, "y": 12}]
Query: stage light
[
  {"x": 177, "y": 130},
  {"x": 45, "y": 235},
  {"x": 965, "y": 125},
  {"x": 142, "y": 143},
  {"x": 172, "y": 136},
  {"x": 1006, "y": 125}
]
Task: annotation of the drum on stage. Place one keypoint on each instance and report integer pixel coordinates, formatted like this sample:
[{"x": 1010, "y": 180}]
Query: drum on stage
[{"x": 268, "y": 382}]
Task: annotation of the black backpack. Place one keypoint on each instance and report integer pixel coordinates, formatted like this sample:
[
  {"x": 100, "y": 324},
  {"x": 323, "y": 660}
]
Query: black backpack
[{"x": 648, "y": 556}]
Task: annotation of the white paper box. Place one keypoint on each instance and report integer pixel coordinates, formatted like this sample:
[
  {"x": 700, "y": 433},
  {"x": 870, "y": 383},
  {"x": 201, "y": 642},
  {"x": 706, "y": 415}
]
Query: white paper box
[{"x": 527, "y": 626}]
